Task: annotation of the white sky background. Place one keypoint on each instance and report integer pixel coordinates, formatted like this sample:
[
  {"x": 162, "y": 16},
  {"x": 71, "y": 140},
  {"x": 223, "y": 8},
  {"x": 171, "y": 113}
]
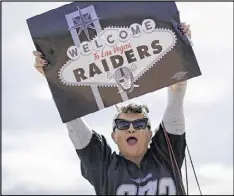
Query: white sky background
[{"x": 39, "y": 158}]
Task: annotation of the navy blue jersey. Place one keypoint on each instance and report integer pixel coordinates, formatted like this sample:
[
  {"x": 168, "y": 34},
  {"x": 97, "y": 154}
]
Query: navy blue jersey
[{"x": 112, "y": 174}]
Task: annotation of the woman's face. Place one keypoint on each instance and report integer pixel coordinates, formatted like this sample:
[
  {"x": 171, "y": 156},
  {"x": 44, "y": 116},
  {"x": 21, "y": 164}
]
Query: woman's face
[{"x": 125, "y": 82}]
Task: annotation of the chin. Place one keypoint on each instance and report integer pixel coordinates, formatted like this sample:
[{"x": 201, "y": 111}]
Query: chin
[{"x": 134, "y": 153}]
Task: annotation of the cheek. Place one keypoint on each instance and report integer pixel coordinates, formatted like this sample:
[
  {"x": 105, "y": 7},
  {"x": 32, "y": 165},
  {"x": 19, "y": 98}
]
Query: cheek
[
  {"x": 145, "y": 138},
  {"x": 119, "y": 139},
  {"x": 148, "y": 137}
]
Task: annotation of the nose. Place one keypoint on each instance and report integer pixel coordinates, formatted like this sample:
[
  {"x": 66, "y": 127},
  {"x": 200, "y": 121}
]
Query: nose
[{"x": 131, "y": 129}]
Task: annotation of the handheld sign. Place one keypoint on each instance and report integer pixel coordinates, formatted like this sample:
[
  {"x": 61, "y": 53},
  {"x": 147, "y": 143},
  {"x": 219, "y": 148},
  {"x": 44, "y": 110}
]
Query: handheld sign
[{"x": 104, "y": 53}]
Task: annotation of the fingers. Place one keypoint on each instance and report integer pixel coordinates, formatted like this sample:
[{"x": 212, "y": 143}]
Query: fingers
[
  {"x": 37, "y": 53},
  {"x": 39, "y": 59},
  {"x": 185, "y": 28},
  {"x": 39, "y": 62},
  {"x": 189, "y": 33},
  {"x": 39, "y": 66}
]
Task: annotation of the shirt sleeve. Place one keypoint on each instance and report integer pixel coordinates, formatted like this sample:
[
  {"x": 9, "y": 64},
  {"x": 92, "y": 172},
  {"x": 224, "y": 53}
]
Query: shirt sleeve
[
  {"x": 93, "y": 151},
  {"x": 173, "y": 117},
  {"x": 79, "y": 133},
  {"x": 171, "y": 132},
  {"x": 160, "y": 151},
  {"x": 160, "y": 146},
  {"x": 95, "y": 158}
]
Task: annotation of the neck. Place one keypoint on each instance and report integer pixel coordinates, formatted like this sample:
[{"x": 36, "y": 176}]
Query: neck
[{"x": 135, "y": 159}]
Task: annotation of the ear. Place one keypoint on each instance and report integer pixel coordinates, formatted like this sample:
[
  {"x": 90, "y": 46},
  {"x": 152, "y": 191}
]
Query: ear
[
  {"x": 113, "y": 136},
  {"x": 150, "y": 134}
]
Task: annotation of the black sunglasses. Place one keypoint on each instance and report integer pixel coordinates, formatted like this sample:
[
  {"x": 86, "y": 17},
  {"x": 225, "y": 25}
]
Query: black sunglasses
[{"x": 137, "y": 124}]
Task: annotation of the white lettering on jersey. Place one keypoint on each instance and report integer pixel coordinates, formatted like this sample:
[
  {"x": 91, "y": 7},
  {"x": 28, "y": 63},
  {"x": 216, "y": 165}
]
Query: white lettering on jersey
[
  {"x": 149, "y": 189},
  {"x": 164, "y": 183},
  {"x": 127, "y": 189},
  {"x": 139, "y": 180}
]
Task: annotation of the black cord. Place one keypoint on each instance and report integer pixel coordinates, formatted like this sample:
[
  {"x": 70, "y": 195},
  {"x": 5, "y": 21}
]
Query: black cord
[
  {"x": 186, "y": 172},
  {"x": 194, "y": 170},
  {"x": 171, "y": 152}
]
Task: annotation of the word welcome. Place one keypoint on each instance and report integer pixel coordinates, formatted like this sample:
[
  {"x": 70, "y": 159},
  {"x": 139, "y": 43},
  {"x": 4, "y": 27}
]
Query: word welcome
[{"x": 111, "y": 38}]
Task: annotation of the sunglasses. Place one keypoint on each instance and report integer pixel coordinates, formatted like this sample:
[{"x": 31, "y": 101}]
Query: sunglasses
[{"x": 137, "y": 124}]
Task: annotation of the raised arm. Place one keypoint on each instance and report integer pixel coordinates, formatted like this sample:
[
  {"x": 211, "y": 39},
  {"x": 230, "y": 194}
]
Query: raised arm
[
  {"x": 93, "y": 151},
  {"x": 173, "y": 117},
  {"x": 79, "y": 133},
  {"x": 173, "y": 122},
  {"x": 172, "y": 126},
  {"x": 91, "y": 147}
]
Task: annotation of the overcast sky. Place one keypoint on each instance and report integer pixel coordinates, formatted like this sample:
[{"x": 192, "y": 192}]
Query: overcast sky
[{"x": 38, "y": 156}]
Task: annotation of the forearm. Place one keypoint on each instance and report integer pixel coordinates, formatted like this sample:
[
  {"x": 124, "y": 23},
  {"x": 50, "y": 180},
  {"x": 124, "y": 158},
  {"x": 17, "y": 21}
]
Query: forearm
[
  {"x": 173, "y": 117},
  {"x": 79, "y": 133}
]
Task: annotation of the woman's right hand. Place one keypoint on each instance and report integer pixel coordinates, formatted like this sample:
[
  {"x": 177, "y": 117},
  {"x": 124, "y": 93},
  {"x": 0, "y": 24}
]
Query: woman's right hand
[{"x": 39, "y": 62}]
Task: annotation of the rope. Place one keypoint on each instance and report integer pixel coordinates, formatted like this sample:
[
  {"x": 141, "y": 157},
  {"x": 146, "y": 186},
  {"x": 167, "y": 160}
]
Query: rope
[
  {"x": 194, "y": 171},
  {"x": 186, "y": 172},
  {"x": 173, "y": 169},
  {"x": 175, "y": 161}
]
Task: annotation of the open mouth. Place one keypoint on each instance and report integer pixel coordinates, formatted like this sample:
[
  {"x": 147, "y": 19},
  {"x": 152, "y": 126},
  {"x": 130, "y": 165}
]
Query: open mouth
[{"x": 132, "y": 141}]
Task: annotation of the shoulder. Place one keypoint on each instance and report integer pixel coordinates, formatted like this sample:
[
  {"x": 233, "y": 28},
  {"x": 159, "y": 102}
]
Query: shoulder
[{"x": 97, "y": 141}]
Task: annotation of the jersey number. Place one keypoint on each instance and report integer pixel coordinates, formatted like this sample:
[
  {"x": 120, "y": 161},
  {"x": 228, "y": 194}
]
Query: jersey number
[{"x": 164, "y": 185}]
